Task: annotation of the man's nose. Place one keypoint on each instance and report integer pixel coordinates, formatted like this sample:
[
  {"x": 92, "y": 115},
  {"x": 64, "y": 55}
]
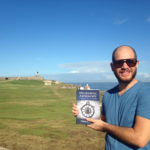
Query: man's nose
[{"x": 125, "y": 65}]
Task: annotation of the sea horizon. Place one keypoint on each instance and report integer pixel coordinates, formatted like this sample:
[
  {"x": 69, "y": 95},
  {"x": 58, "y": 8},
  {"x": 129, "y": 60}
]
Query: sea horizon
[{"x": 104, "y": 86}]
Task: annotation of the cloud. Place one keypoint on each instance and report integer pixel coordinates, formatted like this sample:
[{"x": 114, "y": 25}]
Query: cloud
[
  {"x": 148, "y": 19},
  {"x": 84, "y": 72},
  {"x": 82, "y": 77},
  {"x": 74, "y": 71},
  {"x": 87, "y": 67},
  {"x": 92, "y": 77},
  {"x": 142, "y": 76},
  {"x": 93, "y": 72},
  {"x": 120, "y": 21}
]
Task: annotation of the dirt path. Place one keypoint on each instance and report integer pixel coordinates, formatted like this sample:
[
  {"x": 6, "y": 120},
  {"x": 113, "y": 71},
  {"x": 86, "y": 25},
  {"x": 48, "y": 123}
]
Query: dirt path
[{"x": 2, "y": 148}]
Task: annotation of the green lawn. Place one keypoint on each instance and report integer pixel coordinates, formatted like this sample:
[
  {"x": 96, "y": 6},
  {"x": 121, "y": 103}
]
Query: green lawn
[{"x": 38, "y": 117}]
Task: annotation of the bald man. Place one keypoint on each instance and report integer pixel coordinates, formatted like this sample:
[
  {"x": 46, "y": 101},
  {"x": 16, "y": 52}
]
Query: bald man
[{"x": 125, "y": 115}]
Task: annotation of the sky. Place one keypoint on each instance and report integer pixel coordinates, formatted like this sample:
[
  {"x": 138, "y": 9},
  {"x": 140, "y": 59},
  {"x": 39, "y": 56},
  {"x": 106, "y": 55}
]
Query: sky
[{"x": 72, "y": 40}]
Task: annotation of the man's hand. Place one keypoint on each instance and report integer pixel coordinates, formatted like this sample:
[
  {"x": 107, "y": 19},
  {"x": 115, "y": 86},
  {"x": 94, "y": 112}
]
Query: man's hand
[
  {"x": 75, "y": 110},
  {"x": 96, "y": 124}
]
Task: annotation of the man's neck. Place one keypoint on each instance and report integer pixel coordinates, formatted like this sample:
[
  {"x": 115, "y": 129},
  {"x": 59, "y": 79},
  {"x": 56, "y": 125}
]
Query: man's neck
[{"x": 123, "y": 87}]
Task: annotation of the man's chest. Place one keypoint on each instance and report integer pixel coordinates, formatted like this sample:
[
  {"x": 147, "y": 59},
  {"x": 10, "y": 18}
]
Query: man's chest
[{"x": 121, "y": 111}]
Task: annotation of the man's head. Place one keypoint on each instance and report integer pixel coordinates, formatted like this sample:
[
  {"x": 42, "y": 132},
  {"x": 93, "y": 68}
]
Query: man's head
[{"x": 124, "y": 63}]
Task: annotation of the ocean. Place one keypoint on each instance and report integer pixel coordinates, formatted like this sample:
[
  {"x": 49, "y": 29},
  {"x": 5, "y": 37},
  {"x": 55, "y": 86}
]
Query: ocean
[{"x": 103, "y": 86}]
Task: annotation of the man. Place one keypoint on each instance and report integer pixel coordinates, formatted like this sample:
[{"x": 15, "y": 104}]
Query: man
[{"x": 125, "y": 115}]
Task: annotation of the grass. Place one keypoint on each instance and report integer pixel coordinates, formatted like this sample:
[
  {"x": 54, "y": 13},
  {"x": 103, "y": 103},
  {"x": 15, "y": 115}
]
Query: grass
[{"x": 38, "y": 117}]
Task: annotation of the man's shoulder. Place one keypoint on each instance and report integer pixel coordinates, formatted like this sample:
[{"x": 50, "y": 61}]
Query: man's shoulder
[
  {"x": 111, "y": 91},
  {"x": 143, "y": 87}
]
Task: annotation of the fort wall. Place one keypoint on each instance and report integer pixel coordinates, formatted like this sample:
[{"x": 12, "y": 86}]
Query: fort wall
[{"x": 22, "y": 78}]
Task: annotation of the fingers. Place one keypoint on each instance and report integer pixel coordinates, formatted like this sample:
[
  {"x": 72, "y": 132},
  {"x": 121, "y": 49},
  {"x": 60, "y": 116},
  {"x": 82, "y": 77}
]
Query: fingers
[
  {"x": 74, "y": 105},
  {"x": 93, "y": 121},
  {"x": 75, "y": 110},
  {"x": 90, "y": 120}
]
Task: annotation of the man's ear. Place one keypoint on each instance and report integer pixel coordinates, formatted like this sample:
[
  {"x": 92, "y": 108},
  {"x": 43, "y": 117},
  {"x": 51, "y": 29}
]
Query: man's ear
[
  {"x": 137, "y": 64},
  {"x": 112, "y": 66}
]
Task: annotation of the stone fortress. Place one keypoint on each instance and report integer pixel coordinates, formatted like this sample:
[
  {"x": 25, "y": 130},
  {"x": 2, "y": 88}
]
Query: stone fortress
[
  {"x": 22, "y": 78},
  {"x": 36, "y": 77}
]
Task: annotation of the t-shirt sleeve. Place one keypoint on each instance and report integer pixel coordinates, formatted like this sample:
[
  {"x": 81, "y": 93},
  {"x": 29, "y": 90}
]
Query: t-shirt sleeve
[{"x": 143, "y": 105}]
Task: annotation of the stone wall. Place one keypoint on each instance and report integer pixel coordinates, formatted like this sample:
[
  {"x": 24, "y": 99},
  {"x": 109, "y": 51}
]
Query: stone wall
[{"x": 22, "y": 78}]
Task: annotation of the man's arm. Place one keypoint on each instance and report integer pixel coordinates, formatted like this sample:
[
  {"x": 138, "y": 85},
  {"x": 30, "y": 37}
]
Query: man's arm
[{"x": 139, "y": 135}]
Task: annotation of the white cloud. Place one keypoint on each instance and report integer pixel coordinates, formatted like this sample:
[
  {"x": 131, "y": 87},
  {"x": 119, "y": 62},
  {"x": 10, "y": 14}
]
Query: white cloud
[
  {"x": 143, "y": 76},
  {"x": 82, "y": 77},
  {"x": 94, "y": 72},
  {"x": 87, "y": 67},
  {"x": 144, "y": 67},
  {"x": 120, "y": 21},
  {"x": 74, "y": 71}
]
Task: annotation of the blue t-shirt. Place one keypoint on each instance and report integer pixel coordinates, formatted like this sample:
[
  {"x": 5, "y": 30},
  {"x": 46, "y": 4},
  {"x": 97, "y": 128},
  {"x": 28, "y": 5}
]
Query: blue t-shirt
[{"x": 122, "y": 110}]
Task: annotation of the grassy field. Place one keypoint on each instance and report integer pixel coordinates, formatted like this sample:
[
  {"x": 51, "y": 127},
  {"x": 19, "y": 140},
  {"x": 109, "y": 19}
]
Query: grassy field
[{"x": 38, "y": 117}]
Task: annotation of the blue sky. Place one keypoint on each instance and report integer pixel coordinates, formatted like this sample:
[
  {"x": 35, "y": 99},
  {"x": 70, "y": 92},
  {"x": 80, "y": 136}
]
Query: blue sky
[{"x": 72, "y": 40}]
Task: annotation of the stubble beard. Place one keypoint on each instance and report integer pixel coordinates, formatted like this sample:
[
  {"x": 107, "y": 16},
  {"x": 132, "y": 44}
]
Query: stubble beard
[{"x": 125, "y": 81}]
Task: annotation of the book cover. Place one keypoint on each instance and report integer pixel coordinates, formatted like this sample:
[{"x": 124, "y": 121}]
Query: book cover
[{"x": 88, "y": 104}]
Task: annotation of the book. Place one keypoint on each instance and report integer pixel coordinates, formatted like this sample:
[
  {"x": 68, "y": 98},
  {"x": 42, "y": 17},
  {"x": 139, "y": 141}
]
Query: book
[{"x": 88, "y": 104}]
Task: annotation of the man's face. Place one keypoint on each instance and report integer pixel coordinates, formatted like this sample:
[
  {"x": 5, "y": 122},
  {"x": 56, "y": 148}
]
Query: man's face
[{"x": 125, "y": 65}]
